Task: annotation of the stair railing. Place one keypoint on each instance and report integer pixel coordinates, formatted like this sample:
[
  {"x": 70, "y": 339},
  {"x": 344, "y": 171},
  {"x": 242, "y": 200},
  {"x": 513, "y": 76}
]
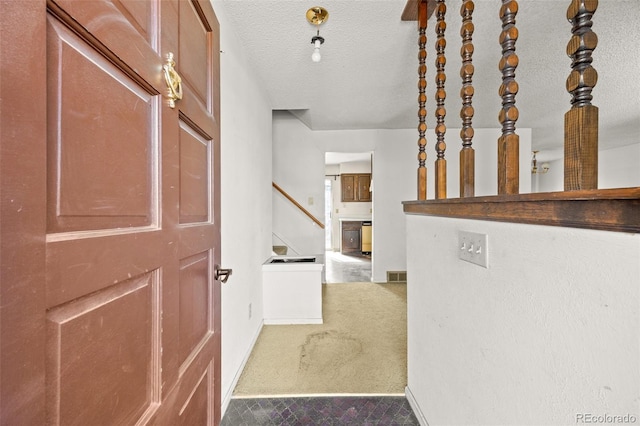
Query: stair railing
[{"x": 295, "y": 203}]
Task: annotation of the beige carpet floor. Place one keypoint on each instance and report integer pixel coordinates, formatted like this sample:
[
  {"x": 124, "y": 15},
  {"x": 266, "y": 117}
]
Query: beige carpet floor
[{"x": 360, "y": 348}]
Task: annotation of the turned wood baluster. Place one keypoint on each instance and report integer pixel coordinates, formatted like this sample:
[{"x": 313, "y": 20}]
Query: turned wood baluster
[
  {"x": 441, "y": 94},
  {"x": 422, "y": 100},
  {"x": 509, "y": 141},
  {"x": 581, "y": 121},
  {"x": 467, "y": 154}
]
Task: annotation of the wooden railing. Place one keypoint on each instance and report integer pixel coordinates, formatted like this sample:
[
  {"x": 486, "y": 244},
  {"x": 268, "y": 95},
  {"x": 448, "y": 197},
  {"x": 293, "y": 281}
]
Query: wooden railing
[
  {"x": 581, "y": 204},
  {"x": 509, "y": 141},
  {"x": 295, "y": 203},
  {"x": 581, "y": 121}
]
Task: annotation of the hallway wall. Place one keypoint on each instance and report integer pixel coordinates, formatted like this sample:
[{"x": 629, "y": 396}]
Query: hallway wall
[
  {"x": 298, "y": 167},
  {"x": 617, "y": 168},
  {"x": 246, "y": 201},
  {"x": 550, "y": 330}
]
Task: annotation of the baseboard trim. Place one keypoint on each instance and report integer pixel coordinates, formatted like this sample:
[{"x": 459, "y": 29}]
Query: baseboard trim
[
  {"x": 415, "y": 407},
  {"x": 227, "y": 397},
  {"x": 290, "y": 321},
  {"x": 317, "y": 395}
]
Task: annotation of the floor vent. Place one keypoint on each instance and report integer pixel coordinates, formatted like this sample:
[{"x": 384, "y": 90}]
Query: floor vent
[{"x": 396, "y": 276}]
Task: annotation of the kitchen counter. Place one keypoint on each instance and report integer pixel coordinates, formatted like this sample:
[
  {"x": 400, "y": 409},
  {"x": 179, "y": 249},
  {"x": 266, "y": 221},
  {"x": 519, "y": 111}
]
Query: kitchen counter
[{"x": 355, "y": 219}]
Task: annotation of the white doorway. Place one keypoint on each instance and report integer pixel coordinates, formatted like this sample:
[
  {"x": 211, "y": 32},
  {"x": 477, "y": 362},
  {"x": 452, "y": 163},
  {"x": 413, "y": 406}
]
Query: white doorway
[
  {"x": 328, "y": 206},
  {"x": 345, "y": 217}
]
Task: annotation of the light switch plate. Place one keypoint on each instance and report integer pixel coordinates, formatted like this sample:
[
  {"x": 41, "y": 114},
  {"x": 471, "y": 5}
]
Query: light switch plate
[{"x": 474, "y": 247}]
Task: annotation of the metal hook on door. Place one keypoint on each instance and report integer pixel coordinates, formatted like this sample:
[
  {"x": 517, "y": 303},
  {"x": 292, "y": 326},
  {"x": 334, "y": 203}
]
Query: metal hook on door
[
  {"x": 222, "y": 275},
  {"x": 173, "y": 80}
]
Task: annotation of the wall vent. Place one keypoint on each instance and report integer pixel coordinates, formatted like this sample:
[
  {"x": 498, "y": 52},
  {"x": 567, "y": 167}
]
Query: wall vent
[{"x": 396, "y": 276}]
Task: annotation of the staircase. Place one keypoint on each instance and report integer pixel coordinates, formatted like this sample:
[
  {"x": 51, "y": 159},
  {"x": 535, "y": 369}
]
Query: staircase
[
  {"x": 280, "y": 250},
  {"x": 281, "y": 247}
]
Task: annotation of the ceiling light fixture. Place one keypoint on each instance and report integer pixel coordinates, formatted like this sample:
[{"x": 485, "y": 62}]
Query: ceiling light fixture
[
  {"x": 317, "y": 16},
  {"x": 544, "y": 167}
]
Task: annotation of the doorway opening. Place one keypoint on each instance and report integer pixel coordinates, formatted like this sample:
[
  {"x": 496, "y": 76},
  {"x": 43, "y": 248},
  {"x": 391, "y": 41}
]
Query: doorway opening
[
  {"x": 328, "y": 203},
  {"x": 348, "y": 216}
]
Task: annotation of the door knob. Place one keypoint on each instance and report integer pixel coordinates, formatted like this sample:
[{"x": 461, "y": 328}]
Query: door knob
[{"x": 222, "y": 275}]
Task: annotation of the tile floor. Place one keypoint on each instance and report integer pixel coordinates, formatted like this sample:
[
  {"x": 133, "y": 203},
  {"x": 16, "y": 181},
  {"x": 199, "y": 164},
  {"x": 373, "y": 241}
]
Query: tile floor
[
  {"x": 340, "y": 268},
  {"x": 338, "y": 410}
]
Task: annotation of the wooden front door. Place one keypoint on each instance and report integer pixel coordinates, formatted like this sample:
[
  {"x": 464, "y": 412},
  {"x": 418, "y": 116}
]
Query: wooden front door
[{"x": 110, "y": 213}]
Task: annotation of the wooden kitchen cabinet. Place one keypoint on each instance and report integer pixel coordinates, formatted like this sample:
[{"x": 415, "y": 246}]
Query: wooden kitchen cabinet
[
  {"x": 348, "y": 187},
  {"x": 351, "y": 236},
  {"x": 364, "y": 183},
  {"x": 355, "y": 187}
]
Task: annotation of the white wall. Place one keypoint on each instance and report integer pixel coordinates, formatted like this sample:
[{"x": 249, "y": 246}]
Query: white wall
[
  {"x": 617, "y": 168},
  {"x": 356, "y": 167},
  {"x": 246, "y": 201},
  {"x": 550, "y": 330},
  {"x": 551, "y": 181},
  {"x": 394, "y": 181},
  {"x": 298, "y": 168},
  {"x": 332, "y": 169}
]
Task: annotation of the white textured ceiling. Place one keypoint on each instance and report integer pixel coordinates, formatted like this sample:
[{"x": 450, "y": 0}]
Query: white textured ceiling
[{"x": 367, "y": 77}]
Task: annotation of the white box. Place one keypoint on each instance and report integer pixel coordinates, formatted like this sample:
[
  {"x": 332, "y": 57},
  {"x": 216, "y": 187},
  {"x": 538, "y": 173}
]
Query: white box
[{"x": 292, "y": 290}]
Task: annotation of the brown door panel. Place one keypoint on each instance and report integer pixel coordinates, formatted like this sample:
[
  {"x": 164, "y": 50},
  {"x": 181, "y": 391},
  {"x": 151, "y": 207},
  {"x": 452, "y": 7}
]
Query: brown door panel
[
  {"x": 196, "y": 154},
  {"x": 195, "y": 297},
  {"x": 80, "y": 266},
  {"x": 101, "y": 170},
  {"x": 195, "y": 57},
  {"x": 115, "y": 317},
  {"x": 124, "y": 30},
  {"x": 178, "y": 402},
  {"x": 98, "y": 352}
]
